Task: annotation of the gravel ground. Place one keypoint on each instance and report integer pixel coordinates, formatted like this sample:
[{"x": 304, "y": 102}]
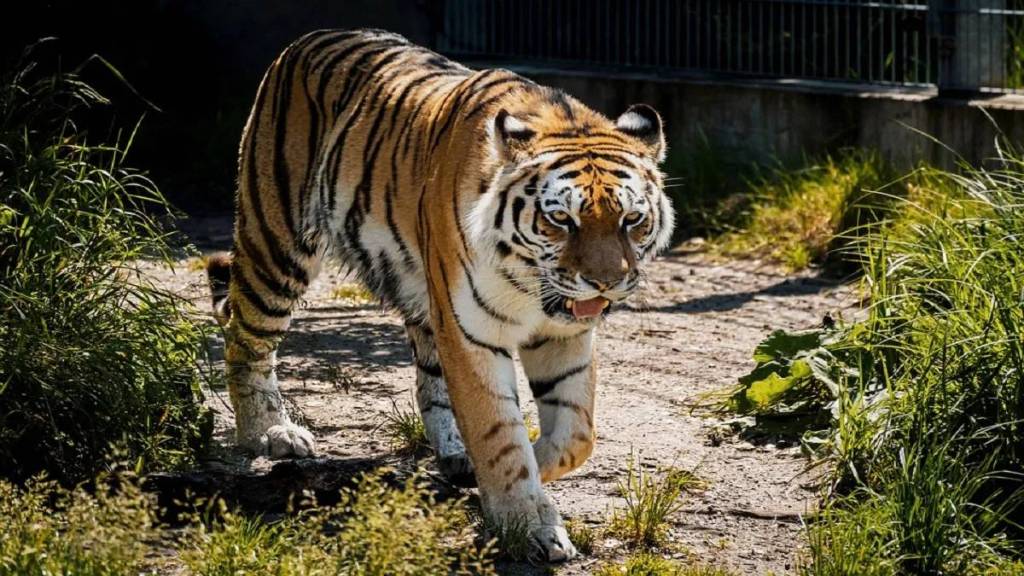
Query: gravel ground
[{"x": 690, "y": 332}]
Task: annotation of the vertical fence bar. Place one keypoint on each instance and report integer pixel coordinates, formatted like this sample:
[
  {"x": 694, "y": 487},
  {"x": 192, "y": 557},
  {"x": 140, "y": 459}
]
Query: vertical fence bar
[
  {"x": 814, "y": 40},
  {"x": 698, "y": 40},
  {"x": 792, "y": 40},
  {"x": 761, "y": 48},
  {"x": 706, "y": 44},
  {"x": 834, "y": 31},
  {"x": 676, "y": 58},
  {"x": 737, "y": 65},
  {"x": 871, "y": 43},
  {"x": 928, "y": 27},
  {"x": 958, "y": 45},
  {"x": 720, "y": 38},
  {"x": 769, "y": 38},
  {"x": 849, "y": 43},
  {"x": 892, "y": 54},
  {"x": 803, "y": 39},
  {"x": 881, "y": 46}
]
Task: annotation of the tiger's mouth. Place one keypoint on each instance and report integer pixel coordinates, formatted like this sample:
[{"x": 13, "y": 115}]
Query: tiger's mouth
[
  {"x": 570, "y": 310},
  {"x": 589, "y": 308}
]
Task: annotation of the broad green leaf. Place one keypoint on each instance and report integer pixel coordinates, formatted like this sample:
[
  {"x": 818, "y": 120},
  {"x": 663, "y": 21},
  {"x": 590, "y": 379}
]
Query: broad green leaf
[
  {"x": 780, "y": 345},
  {"x": 768, "y": 391},
  {"x": 800, "y": 369}
]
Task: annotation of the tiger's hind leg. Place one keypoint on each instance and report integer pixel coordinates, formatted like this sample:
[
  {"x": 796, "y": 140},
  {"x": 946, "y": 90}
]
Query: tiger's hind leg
[
  {"x": 254, "y": 307},
  {"x": 436, "y": 409}
]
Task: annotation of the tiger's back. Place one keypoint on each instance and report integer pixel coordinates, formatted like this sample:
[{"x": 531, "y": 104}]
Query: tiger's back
[
  {"x": 334, "y": 158},
  {"x": 301, "y": 150}
]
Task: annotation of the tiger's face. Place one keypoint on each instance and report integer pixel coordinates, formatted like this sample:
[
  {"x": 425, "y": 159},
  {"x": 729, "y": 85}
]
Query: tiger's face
[{"x": 581, "y": 205}]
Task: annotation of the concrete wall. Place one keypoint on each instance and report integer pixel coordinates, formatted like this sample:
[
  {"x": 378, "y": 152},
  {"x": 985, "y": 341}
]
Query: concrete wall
[{"x": 782, "y": 120}]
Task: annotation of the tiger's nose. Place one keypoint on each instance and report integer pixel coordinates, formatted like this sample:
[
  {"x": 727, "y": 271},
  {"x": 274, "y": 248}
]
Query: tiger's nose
[{"x": 607, "y": 279}]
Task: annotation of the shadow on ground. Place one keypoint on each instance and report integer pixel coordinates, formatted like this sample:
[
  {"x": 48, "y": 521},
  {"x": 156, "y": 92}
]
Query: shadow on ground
[{"x": 719, "y": 302}]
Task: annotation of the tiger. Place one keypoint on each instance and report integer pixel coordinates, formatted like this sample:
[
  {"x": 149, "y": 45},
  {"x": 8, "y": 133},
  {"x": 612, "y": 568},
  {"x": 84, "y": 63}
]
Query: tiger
[{"x": 498, "y": 217}]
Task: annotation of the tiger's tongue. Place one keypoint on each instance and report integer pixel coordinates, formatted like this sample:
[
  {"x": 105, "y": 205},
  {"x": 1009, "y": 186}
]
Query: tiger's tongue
[{"x": 589, "y": 308}]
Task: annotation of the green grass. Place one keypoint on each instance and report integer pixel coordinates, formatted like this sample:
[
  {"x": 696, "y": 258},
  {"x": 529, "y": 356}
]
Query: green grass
[
  {"x": 405, "y": 430},
  {"x": 94, "y": 357},
  {"x": 581, "y": 536},
  {"x": 532, "y": 428},
  {"x": 374, "y": 530},
  {"x": 649, "y": 564},
  {"x": 650, "y": 501},
  {"x": 795, "y": 217},
  {"x": 792, "y": 216},
  {"x": 49, "y": 530},
  {"x": 921, "y": 401},
  {"x": 511, "y": 538}
]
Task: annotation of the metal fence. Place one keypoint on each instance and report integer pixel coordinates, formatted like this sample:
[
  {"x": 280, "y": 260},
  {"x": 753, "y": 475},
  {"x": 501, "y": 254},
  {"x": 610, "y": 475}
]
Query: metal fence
[{"x": 955, "y": 45}]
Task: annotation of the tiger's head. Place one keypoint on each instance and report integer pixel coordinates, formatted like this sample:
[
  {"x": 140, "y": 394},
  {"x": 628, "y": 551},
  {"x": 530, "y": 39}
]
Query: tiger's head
[{"x": 578, "y": 204}]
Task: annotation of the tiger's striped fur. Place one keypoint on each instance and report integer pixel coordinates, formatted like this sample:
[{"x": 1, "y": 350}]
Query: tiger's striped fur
[{"x": 495, "y": 215}]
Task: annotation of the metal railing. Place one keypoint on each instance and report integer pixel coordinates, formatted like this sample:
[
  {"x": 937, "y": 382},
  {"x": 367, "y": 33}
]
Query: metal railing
[{"x": 955, "y": 45}]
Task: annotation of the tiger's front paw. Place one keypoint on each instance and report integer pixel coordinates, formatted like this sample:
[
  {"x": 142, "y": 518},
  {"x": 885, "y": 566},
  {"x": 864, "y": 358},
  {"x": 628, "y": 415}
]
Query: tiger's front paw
[
  {"x": 555, "y": 461},
  {"x": 551, "y": 544},
  {"x": 287, "y": 441},
  {"x": 537, "y": 516}
]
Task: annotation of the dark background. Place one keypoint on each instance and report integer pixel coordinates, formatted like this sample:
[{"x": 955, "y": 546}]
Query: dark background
[{"x": 198, "y": 61}]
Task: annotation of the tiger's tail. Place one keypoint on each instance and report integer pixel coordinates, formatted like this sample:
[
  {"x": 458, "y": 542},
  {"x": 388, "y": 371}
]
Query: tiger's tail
[{"x": 218, "y": 273}]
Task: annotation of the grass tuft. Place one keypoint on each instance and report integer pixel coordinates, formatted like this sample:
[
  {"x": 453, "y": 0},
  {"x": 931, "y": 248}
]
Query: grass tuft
[
  {"x": 373, "y": 530},
  {"x": 510, "y": 537},
  {"x": 650, "y": 501},
  {"x": 196, "y": 264},
  {"x": 581, "y": 536},
  {"x": 649, "y": 564},
  {"x": 404, "y": 430},
  {"x": 708, "y": 184},
  {"x": 532, "y": 429}
]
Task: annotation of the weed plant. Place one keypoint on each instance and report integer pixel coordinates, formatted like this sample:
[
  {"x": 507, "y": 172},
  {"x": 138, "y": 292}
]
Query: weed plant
[
  {"x": 374, "y": 530},
  {"x": 405, "y": 430},
  {"x": 796, "y": 217},
  {"x": 93, "y": 355},
  {"x": 111, "y": 530},
  {"x": 650, "y": 502},
  {"x": 924, "y": 398},
  {"x": 650, "y": 564},
  {"x": 581, "y": 536},
  {"x": 49, "y": 530}
]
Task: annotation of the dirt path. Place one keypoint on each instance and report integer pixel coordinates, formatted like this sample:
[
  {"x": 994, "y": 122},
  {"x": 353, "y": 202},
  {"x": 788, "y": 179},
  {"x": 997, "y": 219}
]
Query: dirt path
[{"x": 699, "y": 322}]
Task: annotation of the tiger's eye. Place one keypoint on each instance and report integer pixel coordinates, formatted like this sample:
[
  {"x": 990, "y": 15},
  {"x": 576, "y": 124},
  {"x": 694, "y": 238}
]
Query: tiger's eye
[
  {"x": 560, "y": 216},
  {"x": 633, "y": 218}
]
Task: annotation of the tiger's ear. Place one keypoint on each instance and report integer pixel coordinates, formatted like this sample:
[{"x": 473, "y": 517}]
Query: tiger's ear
[
  {"x": 641, "y": 122},
  {"x": 511, "y": 135}
]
